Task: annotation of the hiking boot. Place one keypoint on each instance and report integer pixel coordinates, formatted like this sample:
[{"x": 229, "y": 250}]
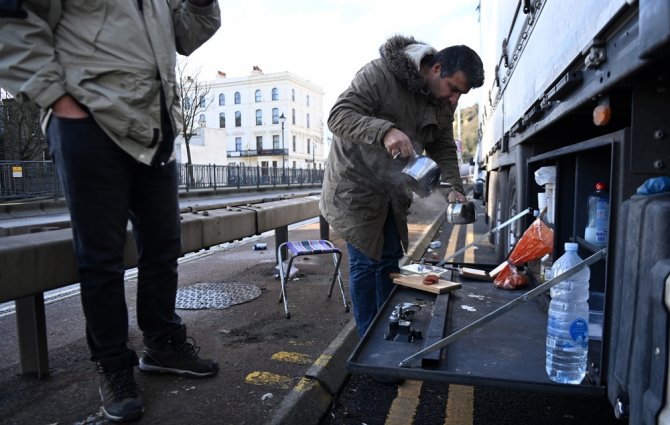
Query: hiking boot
[
  {"x": 120, "y": 400},
  {"x": 178, "y": 357}
]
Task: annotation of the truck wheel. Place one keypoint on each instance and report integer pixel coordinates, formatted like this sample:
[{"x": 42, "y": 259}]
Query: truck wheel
[
  {"x": 500, "y": 211},
  {"x": 492, "y": 202},
  {"x": 512, "y": 231}
]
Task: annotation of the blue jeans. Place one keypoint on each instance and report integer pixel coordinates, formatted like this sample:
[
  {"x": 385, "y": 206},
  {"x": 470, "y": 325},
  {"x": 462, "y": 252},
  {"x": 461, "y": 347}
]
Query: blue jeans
[
  {"x": 369, "y": 280},
  {"x": 105, "y": 187}
]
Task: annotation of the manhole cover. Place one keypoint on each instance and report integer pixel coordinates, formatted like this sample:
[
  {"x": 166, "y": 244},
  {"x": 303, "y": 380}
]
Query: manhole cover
[{"x": 215, "y": 295}]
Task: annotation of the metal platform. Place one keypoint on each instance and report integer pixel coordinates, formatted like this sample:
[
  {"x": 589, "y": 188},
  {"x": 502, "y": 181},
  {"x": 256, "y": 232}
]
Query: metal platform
[{"x": 508, "y": 352}]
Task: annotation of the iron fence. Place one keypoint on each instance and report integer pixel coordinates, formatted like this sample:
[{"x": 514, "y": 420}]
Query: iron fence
[
  {"x": 35, "y": 179},
  {"x": 28, "y": 179}
]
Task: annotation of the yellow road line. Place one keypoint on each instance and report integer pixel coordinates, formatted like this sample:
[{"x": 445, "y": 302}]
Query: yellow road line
[
  {"x": 459, "y": 405},
  {"x": 461, "y": 398},
  {"x": 267, "y": 379},
  {"x": 453, "y": 242},
  {"x": 404, "y": 406},
  {"x": 469, "y": 238},
  {"x": 290, "y": 357}
]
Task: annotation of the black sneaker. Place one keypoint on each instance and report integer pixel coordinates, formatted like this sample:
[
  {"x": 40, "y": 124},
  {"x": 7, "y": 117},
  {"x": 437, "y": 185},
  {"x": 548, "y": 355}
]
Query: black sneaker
[
  {"x": 120, "y": 400},
  {"x": 179, "y": 358}
]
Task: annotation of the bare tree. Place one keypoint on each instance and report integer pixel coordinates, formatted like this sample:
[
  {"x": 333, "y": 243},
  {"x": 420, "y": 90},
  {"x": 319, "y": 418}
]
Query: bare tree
[
  {"x": 195, "y": 100},
  {"x": 21, "y": 137}
]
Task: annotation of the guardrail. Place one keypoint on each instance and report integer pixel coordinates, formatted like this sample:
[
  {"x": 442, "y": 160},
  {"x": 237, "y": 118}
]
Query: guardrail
[{"x": 33, "y": 263}]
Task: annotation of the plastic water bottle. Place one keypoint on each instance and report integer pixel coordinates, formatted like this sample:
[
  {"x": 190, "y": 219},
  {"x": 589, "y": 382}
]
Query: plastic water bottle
[
  {"x": 597, "y": 229},
  {"x": 568, "y": 324}
]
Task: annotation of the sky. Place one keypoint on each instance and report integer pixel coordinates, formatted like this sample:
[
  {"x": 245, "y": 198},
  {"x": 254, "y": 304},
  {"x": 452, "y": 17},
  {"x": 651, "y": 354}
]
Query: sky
[{"x": 328, "y": 41}]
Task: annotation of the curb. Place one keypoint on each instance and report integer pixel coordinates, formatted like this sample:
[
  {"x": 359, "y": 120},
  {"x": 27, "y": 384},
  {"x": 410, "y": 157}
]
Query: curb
[{"x": 313, "y": 395}]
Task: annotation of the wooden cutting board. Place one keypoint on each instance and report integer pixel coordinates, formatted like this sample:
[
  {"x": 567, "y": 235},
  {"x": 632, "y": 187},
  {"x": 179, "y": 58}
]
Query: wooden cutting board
[{"x": 416, "y": 282}]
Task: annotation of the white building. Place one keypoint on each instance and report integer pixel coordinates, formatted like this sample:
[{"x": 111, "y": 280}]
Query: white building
[{"x": 242, "y": 123}]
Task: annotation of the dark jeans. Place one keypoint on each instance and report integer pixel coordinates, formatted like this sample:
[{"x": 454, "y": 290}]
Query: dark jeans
[
  {"x": 369, "y": 280},
  {"x": 104, "y": 187}
]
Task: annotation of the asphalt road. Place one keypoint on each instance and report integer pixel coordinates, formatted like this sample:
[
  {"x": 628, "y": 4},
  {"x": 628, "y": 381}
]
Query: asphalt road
[{"x": 264, "y": 356}]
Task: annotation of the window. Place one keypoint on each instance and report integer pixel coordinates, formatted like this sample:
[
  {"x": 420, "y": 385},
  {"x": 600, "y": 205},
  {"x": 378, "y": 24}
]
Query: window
[
  {"x": 308, "y": 145},
  {"x": 222, "y": 120},
  {"x": 275, "y": 115},
  {"x": 259, "y": 143},
  {"x": 202, "y": 101},
  {"x": 294, "y": 144},
  {"x": 275, "y": 93},
  {"x": 202, "y": 120},
  {"x": 238, "y": 144},
  {"x": 258, "y": 96},
  {"x": 187, "y": 103},
  {"x": 307, "y": 120},
  {"x": 259, "y": 117},
  {"x": 238, "y": 119},
  {"x": 238, "y": 99},
  {"x": 293, "y": 95},
  {"x": 275, "y": 141},
  {"x": 222, "y": 99},
  {"x": 293, "y": 116},
  {"x": 307, "y": 100}
]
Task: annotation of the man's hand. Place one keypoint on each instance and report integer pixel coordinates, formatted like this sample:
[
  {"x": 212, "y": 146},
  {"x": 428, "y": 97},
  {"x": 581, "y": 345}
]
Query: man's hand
[
  {"x": 67, "y": 107},
  {"x": 397, "y": 143},
  {"x": 456, "y": 196}
]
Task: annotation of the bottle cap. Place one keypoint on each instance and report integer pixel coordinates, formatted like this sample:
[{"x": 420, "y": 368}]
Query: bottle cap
[
  {"x": 571, "y": 246},
  {"x": 601, "y": 186}
]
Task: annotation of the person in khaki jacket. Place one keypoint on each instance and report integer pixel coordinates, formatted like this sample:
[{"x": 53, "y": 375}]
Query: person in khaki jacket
[
  {"x": 103, "y": 72},
  {"x": 396, "y": 104}
]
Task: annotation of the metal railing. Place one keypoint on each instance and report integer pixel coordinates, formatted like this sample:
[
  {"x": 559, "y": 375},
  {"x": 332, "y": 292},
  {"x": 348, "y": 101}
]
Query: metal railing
[
  {"x": 28, "y": 179},
  {"x": 37, "y": 179}
]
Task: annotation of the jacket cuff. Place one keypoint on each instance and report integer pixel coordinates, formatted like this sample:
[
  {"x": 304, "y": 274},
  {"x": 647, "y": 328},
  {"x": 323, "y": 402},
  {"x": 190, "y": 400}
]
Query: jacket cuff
[{"x": 48, "y": 96}]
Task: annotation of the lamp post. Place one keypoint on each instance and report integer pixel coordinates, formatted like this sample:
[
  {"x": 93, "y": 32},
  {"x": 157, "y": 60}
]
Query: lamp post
[{"x": 282, "y": 120}]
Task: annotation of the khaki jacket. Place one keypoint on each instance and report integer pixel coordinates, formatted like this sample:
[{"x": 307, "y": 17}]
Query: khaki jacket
[
  {"x": 361, "y": 181},
  {"x": 109, "y": 56}
]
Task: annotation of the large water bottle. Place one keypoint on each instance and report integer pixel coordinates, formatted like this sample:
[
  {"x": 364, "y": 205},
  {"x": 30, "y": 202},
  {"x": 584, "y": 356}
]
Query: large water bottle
[{"x": 568, "y": 324}]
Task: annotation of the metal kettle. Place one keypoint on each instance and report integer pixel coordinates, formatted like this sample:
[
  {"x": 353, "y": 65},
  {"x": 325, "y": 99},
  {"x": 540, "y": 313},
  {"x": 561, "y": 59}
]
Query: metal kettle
[
  {"x": 423, "y": 174},
  {"x": 461, "y": 213}
]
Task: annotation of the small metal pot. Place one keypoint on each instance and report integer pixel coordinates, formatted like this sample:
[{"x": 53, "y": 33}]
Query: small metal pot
[
  {"x": 461, "y": 213},
  {"x": 424, "y": 174}
]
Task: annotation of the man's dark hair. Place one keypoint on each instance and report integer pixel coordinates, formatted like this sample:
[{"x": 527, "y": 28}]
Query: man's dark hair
[{"x": 458, "y": 58}]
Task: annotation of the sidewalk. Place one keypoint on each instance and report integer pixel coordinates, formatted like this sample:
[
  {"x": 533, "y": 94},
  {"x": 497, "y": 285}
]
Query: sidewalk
[{"x": 273, "y": 370}]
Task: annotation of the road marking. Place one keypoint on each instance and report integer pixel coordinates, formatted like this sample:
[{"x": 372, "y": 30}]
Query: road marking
[
  {"x": 453, "y": 241},
  {"x": 460, "y": 398},
  {"x": 267, "y": 379},
  {"x": 469, "y": 255},
  {"x": 289, "y": 357},
  {"x": 404, "y": 406},
  {"x": 459, "y": 405}
]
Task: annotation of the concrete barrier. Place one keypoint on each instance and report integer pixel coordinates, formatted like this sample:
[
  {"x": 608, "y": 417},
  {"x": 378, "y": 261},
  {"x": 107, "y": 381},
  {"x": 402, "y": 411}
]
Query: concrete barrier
[{"x": 31, "y": 264}]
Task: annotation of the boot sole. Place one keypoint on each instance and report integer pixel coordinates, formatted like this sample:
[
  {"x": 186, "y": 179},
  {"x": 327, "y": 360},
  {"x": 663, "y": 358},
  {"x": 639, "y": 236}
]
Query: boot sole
[{"x": 155, "y": 370}]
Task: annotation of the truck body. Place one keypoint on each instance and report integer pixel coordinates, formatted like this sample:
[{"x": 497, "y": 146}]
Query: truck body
[
  {"x": 577, "y": 92},
  {"x": 581, "y": 89}
]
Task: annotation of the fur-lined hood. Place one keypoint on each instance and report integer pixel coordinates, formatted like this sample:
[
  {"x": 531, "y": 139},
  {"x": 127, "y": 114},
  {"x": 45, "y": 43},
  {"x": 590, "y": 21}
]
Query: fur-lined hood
[{"x": 403, "y": 56}]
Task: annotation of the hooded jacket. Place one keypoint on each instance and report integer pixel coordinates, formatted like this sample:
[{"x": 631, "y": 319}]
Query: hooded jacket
[
  {"x": 113, "y": 57},
  {"x": 361, "y": 181}
]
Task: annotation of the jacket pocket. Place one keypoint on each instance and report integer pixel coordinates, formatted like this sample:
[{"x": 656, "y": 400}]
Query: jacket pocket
[
  {"x": 355, "y": 200},
  {"x": 84, "y": 18}
]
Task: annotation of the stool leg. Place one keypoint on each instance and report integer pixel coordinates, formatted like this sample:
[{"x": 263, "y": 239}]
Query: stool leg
[
  {"x": 337, "y": 259},
  {"x": 283, "y": 277},
  {"x": 284, "y": 288}
]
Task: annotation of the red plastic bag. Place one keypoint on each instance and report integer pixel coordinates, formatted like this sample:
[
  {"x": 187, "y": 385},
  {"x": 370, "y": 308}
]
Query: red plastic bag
[{"x": 535, "y": 243}]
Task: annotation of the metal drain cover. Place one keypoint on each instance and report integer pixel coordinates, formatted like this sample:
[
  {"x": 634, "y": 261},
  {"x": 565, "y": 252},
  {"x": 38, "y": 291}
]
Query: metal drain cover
[{"x": 215, "y": 295}]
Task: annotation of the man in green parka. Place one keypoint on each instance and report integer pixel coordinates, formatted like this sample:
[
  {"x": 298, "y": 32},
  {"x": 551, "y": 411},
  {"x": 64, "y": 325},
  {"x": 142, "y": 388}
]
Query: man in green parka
[{"x": 396, "y": 104}]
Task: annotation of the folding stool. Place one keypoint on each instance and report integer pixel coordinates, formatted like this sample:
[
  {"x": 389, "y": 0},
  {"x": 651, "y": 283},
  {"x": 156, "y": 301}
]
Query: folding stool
[{"x": 309, "y": 247}]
